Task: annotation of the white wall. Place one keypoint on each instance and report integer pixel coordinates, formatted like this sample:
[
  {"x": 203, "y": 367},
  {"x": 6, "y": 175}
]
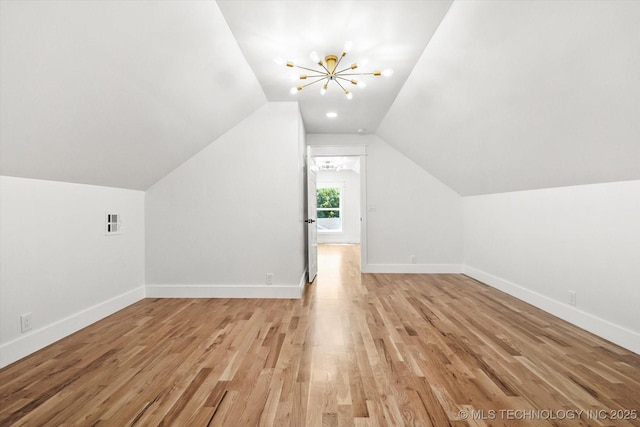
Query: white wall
[
  {"x": 231, "y": 214},
  {"x": 537, "y": 245},
  {"x": 126, "y": 84},
  {"x": 350, "y": 181},
  {"x": 57, "y": 262},
  {"x": 409, "y": 212}
]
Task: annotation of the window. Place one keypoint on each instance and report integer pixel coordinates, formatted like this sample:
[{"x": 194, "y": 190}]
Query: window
[{"x": 329, "y": 200}]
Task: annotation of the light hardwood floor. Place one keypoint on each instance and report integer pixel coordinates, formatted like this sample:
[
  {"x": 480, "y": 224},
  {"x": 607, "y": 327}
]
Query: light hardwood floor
[{"x": 357, "y": 350}]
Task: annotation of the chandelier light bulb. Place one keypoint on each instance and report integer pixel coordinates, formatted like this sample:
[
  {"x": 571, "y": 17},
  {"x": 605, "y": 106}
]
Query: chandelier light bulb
[
  {"x": 349, "y": 95},
  {"x": 323, "y": 90},
  {"x": 294, "y": 90},
  {"x": 361, "y": 84},
  {"x": 315, "y": 57},
  {"x": 388, "y": 72},
  {"x": 347, "y": 46},
  {"x": 278, "y": 61}
]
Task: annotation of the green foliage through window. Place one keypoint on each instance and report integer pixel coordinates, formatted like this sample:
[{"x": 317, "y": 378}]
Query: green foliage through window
[
  {"x": 328, "y": 200},
  {"x": 328, "y": 214}
]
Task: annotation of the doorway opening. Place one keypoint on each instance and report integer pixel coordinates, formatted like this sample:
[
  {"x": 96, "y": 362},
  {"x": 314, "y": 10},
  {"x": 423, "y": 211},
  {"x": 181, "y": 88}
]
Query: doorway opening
[{"x": 336, "y": 198}]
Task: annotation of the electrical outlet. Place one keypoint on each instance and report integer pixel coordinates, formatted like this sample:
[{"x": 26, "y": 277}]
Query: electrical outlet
[
  {"x": 25, "y": 322},
  {"x": 572, "y": 297},
  {"x": 269, "y": 280}
]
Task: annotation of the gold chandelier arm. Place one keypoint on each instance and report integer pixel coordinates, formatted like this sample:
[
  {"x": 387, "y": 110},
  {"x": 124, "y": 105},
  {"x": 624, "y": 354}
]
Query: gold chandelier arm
[
  {"x": 313, "y": 82},
  {"x": 342, "y": 55},
  {"x": 351, "y": 67},
  {"x": 375, "y": 73},
  {"x": 324, "y": 76},
  {"x": 309, "y": 69},
  {"x": 346, "y": 92},
  {"x": 343, "y": 70},
  {"x": 342, "y": 78},
  {"x": 323, "y": 66},
  {"x": 341, "y": 87}
]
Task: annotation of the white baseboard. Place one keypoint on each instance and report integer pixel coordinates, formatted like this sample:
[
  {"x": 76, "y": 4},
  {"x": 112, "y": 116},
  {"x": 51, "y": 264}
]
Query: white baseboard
[
  {"x": 39, "y": 338},
  {"x": 610, "y": 331},
  {"x": 226, "y": 291},
  {"x": 413, "y": 268}
]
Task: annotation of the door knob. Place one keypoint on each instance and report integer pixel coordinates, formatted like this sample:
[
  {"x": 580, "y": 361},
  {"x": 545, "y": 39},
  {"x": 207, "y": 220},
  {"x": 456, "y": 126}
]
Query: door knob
[{"x": 309, "y": 221}]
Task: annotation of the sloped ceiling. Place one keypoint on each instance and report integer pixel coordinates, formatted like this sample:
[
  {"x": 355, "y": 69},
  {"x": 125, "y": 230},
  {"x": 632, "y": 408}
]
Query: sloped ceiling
[
  {"x": 516, "y": 95},
  {"x": 116, "y": 93},
  {"x": 488, "y": 96}
]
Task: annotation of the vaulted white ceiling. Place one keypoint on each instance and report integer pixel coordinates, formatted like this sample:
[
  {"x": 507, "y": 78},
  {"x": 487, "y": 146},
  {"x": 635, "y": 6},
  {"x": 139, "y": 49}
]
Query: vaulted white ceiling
[
  {"x": 488, "y": 96},
  {"x": 516, "y": 95},
  {"x": 116, "y": 93}
]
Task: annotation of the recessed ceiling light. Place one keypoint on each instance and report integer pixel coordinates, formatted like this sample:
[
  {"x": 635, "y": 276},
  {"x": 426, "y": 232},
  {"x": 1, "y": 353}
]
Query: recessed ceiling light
[{"x": 332, "y": 115}]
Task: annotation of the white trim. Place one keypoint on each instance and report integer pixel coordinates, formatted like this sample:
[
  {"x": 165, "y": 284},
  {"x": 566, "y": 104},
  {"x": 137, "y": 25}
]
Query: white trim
[
  {"x": 226, "y": 291},
  {"x": 413, "y": 268},
  {"x": 336, "y": 150},
  {"x": 603, "y": 328},
  {"x": 39, "y": 338},
  {"x": 364, "y": 236}
]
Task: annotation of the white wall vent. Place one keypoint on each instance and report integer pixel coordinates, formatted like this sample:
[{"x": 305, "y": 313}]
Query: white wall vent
[{"x": 113, "y": 224}]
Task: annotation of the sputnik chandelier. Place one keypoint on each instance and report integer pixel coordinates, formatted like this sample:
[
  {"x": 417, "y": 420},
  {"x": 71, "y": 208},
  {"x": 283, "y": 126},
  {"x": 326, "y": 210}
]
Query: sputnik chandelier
[{"x": 330, "y": 72}]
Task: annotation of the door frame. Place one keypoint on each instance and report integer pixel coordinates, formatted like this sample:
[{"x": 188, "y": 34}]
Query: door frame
[{"x": 350, "y": 151}]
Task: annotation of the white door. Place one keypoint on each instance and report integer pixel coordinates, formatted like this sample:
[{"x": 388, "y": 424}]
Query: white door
[{"x": 312, "y": 217}]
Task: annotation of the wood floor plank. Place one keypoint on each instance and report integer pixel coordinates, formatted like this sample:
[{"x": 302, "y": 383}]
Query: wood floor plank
[{"x": 357, "y": 350}]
